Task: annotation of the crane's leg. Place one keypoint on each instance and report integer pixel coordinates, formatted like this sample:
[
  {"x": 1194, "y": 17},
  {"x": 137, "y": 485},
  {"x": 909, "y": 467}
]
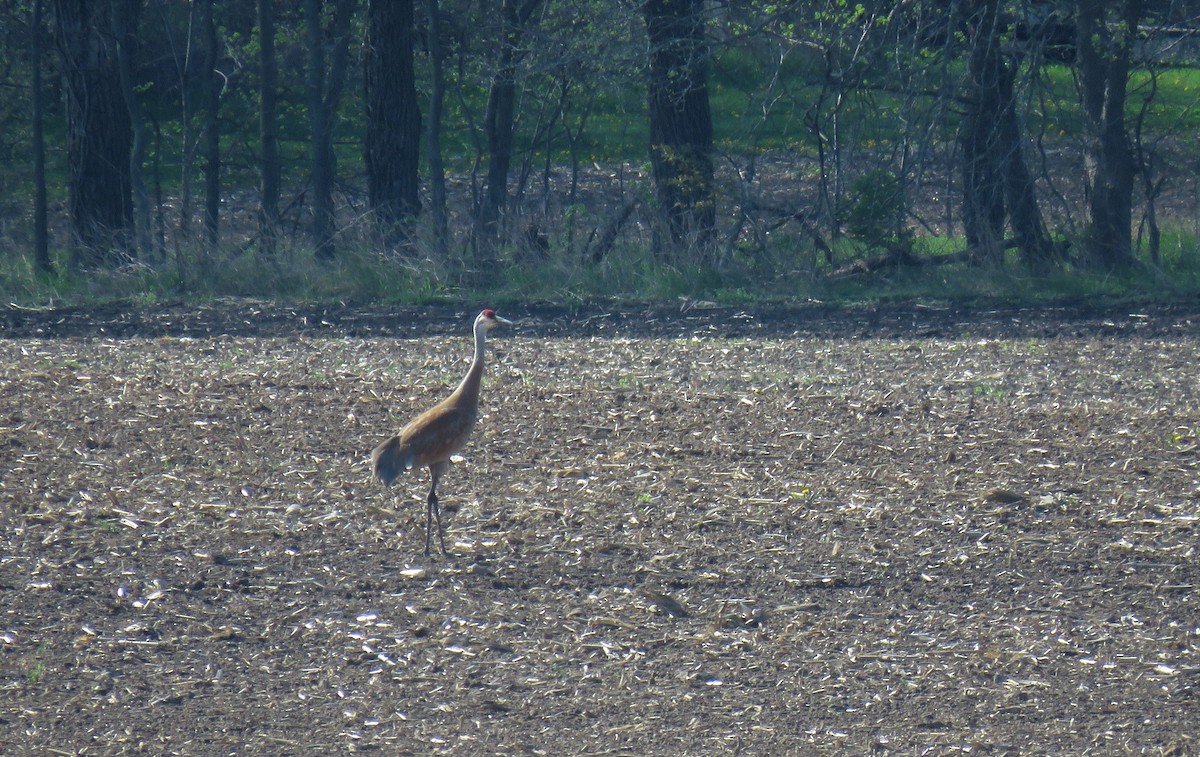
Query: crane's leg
[
  {"x": 434, "y": 511},
  {"x": 429, "y": 505}
]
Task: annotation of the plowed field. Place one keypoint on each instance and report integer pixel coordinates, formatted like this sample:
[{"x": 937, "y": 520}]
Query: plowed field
[{"x": 809, "y": 530}]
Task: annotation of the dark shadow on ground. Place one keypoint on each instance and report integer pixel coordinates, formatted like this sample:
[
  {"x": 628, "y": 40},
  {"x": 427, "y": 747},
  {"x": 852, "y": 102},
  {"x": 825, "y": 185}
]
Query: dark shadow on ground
[{"x": 905, "y": 320}]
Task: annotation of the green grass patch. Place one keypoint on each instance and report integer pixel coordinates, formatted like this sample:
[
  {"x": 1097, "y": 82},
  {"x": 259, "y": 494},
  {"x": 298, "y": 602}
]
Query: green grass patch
[{"x": 1170, "y": 96}]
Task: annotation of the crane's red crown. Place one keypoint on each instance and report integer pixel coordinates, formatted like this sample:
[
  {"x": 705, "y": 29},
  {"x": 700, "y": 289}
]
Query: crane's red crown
[{"x": 489, "y": 314}]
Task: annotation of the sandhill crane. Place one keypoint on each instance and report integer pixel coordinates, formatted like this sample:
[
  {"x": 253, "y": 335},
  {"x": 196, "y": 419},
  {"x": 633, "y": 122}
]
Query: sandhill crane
[{"x": 432, "y": 437}]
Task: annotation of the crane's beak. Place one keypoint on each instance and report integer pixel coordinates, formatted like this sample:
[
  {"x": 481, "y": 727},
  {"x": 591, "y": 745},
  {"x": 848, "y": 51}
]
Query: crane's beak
[{"x": 505, "y": 321}]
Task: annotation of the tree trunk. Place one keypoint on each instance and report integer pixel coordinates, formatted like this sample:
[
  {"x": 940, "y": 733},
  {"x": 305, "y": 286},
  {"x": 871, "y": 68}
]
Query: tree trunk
[
  {"x": 433, "y": 129},
  {"x": 41, "y": 236},
  {"x": 212, "y": 83},
  {"x": 99, "y": 138},
  {"x": 188, "y": 136},
  {"x": 160, "y": 214},
  {"x": 1020, "y": 192},
  {"x": 1105, "y": 44},
  {"x": 125, "y": 31},
  {"x": 498, "y": 126},
  {"x": 681, "y": 133},
  {"x": 322, "y": 142},
  {"x": 983, "y": 172},
  {"x": 499, "y": 123},
  {"x": 393, "y": 119},
  {"x": 324, "y": 92},
  {"x": 268, "y": 133},
  {"x": 997, "y": 183}
]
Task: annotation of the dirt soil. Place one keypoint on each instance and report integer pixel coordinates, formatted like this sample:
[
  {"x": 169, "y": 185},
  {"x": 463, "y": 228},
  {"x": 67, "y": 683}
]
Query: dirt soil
[{"x": 808, "y": 530}]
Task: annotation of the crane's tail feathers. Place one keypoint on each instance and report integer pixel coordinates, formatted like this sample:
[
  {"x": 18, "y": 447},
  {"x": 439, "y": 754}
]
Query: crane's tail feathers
[{"x": 389, "y": 460}]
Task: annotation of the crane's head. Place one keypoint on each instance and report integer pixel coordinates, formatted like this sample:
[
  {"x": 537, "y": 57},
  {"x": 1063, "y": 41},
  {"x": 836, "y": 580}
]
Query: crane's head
[{"x": 488, "y": 320}]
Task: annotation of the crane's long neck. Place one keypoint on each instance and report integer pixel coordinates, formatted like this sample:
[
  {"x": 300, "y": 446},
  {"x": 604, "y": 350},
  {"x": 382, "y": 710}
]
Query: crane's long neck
[{"x": 468, "y": 388}]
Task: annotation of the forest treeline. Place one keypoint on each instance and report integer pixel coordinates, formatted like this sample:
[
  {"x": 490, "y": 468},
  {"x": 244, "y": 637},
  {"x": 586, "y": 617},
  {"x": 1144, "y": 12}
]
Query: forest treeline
[{"x": 191, "y": 133}]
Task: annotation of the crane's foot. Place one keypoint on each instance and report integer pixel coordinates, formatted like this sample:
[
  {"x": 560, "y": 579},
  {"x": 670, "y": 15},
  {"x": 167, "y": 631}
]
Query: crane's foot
[{"x": 445, "y": 552}]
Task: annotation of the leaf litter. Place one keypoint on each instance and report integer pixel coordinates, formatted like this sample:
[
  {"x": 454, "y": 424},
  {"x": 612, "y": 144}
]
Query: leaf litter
[{"x": 669, "y": 538}]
